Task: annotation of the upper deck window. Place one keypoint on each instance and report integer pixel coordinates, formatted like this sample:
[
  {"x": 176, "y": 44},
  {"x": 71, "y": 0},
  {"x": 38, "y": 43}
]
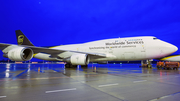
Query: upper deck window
[{"x": 155, "y": 38}]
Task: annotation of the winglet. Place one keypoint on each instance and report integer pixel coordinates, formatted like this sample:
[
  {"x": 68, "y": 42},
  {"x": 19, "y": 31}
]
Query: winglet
[{"x": 22, "y": 39}]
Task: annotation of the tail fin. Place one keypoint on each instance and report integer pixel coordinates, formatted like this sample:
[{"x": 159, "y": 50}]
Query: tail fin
[{"x": 22, "y": 39}]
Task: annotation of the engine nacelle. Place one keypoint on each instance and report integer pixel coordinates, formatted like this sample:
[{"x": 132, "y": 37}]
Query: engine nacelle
[
  {"x": 79, "y": 59},
  {"x": 20, "y": 54}
]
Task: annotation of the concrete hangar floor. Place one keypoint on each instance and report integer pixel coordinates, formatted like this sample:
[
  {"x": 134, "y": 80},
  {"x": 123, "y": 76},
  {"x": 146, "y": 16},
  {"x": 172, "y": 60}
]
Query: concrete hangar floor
[{"x": 111, "y": 82}]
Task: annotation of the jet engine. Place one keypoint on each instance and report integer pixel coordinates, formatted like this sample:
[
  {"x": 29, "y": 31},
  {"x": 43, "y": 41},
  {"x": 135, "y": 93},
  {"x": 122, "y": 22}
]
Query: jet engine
[
  {"x": 20, "y": 54},
  {"x": 79, "y": 59}
]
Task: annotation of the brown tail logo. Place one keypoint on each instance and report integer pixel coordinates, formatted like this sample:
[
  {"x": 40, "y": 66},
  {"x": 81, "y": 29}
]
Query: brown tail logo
[{"x": 20, "y": 39}]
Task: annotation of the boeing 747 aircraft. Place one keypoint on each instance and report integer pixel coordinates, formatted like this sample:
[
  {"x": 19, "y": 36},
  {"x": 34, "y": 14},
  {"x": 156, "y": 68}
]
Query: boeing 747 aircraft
[{"x": 116, "y": 49}]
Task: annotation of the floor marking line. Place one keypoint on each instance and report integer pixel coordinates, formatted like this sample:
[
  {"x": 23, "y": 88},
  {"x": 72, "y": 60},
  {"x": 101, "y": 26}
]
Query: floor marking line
[
  {"x": 83, "y": 82},
  {"x": 49, "y": 78},
  {"x": 3, "y": 96},
  {"x": 109, "y": 85},
  {"x": 60, "y": 90},
  {"x": 139, "y": 81},
  {"x": 165, "y": 96},
  {"x": 162, "y": 78}
]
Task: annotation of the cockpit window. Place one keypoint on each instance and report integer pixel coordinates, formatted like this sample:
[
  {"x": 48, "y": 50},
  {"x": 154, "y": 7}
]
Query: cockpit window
[{"x": 155, "y": 38}]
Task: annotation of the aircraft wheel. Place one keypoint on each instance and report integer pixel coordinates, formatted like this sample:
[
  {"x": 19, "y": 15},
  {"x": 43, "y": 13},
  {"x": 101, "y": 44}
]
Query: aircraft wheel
[
  {"x": 84, "y": 65},
  {"x": 67, "y": 65},
  {"x": 74, "y": 66},
  {"x": 70, "y": 65}
]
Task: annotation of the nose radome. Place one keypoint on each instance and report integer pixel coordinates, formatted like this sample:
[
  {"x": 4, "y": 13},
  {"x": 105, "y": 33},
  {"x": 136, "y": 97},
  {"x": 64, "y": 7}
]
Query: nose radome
[
  {"x": 175, "y": 48},
  {"x": 168, "y": 48}
]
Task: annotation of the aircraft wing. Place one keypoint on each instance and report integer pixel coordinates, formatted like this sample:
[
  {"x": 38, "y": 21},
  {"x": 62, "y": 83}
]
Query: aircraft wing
[
  {"x": 58, "y": 51},
  {"x": 50, "y": 50},
  {"x": 3, "y": 45}
]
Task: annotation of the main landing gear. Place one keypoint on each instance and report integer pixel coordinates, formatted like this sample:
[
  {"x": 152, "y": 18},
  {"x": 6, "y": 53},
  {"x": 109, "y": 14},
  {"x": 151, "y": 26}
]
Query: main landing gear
[{"x": 69, "y": 65}]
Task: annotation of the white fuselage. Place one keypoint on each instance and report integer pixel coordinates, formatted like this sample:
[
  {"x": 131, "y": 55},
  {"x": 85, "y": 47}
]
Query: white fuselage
[{"x": 118, "y": 49}]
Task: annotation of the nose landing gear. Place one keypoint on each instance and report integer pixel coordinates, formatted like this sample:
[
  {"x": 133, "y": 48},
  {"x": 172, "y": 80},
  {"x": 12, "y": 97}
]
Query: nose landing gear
[{"x": 146, "y": 63}]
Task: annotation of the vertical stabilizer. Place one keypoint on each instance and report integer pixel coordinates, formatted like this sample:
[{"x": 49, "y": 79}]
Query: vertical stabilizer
[{"x": 22, "y": 39}]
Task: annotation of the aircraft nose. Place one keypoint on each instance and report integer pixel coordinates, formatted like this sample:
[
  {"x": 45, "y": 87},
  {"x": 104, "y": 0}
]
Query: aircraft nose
[
  {"x": 168, "y": 48},
  {"x": 173, "y": 48}
]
